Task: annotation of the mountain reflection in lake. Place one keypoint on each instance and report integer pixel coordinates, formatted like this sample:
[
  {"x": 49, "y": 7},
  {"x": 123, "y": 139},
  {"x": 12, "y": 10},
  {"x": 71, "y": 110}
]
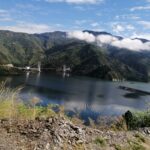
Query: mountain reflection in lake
[{"x": 86, "y": 96}]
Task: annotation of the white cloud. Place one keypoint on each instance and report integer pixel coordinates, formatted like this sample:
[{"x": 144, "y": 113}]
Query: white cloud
[
  {"x": 118, "y": 28},
  {"x": 27, "y": 28},
  {"x": 132, "y": 44},
  {"x": 85, "y": 36},
  {"x": 146, "y": 24},
  {"x": 127, "y": 43},
  {"x": 140, "y": 8},
  {"x": 121, "y": 27},
  {"x": 76, "y": 1},
  {"x": 141, "y": 35},
  {"x": 105, "y": 39}
]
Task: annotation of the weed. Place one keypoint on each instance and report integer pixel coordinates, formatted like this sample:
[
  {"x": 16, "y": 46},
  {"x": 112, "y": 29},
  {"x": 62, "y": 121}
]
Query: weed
[
  {"x": 117, "y": 147},
  {"x": 140, "y": 137},
  {"x": 136, "y": 145},
  {"x": 100, "y": 141}
]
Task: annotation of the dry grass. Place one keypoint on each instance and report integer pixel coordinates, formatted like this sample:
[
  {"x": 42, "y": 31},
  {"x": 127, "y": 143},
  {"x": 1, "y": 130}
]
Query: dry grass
[{"x": 11, "y": 107}]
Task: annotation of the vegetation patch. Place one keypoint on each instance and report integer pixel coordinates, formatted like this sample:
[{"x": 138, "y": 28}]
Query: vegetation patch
[
  {"x": 11, "y": 107},
  {"x": 5, "y": 70},
  {"x": 100, "y": 141},
  {"x": 138, "y": 119},
  {"x": 136, "y": 146},
  {"x": 117, "y": 147},
  {"x": 140, "y": 137}
]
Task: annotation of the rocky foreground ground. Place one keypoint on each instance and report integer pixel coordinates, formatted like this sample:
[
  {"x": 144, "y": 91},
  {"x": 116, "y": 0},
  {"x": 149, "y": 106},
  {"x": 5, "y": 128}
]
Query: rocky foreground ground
[{"x": 59, "y": 133}]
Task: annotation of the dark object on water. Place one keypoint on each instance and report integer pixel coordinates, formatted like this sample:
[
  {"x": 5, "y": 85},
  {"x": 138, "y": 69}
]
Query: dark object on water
[
  {"x": 134, "y": 90},
  {"x": 100, "y": 96},
  {"x": 133, "y": 95}
]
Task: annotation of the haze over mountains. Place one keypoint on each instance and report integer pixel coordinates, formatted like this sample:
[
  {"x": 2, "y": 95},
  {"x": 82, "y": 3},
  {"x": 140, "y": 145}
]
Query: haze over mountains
[{"x": 96, "y": 54}]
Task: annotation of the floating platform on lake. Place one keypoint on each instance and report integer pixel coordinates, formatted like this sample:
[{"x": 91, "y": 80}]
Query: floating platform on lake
[{"x": 134, "y": 90}]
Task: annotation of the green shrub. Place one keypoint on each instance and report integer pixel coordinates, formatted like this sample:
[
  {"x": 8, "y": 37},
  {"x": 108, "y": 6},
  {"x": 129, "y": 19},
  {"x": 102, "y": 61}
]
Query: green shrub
[
  {"x": 138, "y": 119},
  {"x": 100, "y": 141}
]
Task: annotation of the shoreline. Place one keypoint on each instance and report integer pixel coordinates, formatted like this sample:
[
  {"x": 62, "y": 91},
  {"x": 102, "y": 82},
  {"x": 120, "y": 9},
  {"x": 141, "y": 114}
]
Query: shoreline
[{"x": 7, "y": 70}]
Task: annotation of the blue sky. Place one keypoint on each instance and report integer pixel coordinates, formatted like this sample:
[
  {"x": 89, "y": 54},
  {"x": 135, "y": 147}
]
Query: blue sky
[{"x": 120, "y": 17}]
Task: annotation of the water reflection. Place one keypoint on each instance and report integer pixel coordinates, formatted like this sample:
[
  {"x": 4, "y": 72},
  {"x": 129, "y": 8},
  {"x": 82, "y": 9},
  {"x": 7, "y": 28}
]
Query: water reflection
[
  {"x": 81, "y": 95},
  {"x": 38, "y": 78},
  {"x": 27, "y": 76}
]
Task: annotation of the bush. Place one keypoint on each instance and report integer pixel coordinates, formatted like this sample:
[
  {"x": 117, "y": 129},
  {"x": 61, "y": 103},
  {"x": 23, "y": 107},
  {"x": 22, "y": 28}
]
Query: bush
[{"x": 136, "y": 120}]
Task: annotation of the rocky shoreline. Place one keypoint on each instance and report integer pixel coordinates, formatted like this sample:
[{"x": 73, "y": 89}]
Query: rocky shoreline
[{"x": 59, "y": 133}]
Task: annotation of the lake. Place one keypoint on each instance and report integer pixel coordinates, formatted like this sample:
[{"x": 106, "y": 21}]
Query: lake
[{"x": 86, "y": 96}]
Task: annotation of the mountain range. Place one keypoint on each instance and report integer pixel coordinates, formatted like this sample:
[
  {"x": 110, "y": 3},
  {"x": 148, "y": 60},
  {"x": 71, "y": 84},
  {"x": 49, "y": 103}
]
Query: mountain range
[{"x": 85, "y": 58}]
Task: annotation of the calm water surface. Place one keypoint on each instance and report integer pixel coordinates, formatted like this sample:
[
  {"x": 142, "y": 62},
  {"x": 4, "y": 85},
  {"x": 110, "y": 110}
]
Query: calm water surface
[{"x": 86, "y": 96}]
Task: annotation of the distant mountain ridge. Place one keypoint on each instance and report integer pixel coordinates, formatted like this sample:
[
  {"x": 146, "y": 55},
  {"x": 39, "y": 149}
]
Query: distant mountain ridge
[{"x": 55, "y": 49}]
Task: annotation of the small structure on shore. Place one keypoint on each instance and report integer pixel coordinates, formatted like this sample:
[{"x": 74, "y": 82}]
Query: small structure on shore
[
  {"x": 66, "y": 69},
  {"x": 9, "y": 65},
  {"x": 28, "y": 68}
]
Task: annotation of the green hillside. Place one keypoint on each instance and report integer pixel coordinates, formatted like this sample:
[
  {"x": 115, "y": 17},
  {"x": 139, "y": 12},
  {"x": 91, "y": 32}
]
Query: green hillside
[{"x": 55, "y": 49}]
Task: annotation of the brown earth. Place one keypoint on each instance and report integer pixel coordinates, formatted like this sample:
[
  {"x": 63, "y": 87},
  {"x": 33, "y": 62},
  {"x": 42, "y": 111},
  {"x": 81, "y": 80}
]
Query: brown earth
[{"x": 59, "y": 133}]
